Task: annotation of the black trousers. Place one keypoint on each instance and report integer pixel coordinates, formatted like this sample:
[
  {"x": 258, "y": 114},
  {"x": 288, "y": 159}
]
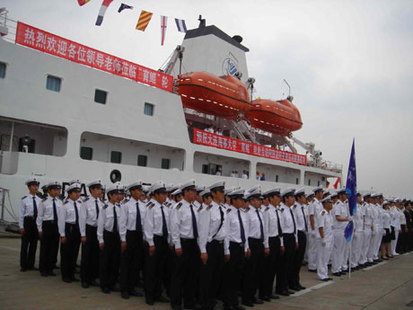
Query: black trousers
[
  {"x": 401, "y": 241},
  {"x": 254, "y": 270},
  {"x": 285, "y": 271},
  {"x": 233, "y": 274},
  {"x": 109, "y": 259},
  {"x": 271, "y": 265},
  {"x": 29, "y": 243},
  {"x": 49, "y": 246},
  {"x": 185, "y": 275},
  {"x": 211, "y": 274},
  {"x": 155, "y": 266},
  {"x": 130, "y": 260},
  {"x": 67, "y": 262},
  {"x": 89, "y": 266},
  {"x": 298, "y": 259}
]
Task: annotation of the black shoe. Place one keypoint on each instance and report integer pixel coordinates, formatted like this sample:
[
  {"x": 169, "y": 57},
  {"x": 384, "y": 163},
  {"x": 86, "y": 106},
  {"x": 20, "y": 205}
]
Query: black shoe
[
  {"x": 85, "y": 285},
  {"x": 337, "y": 274},
  {"x": 312, "y": 270},
  {"x": 344, "y": 271},
  {"x": 23, "y": 269},
  {"x": 238, "y": 307},
  {"x": 67, "y": 280},
  {"x": 295, "y": 288},
  {"x": 162, "y": 299},
  {"x": 106, "y": 290},
  {"x": 248, "y": 304},
  {"x": 301, "y": 287},
  {"x": 93, "y": 283},
  {"x": 149, "y": 301},
  {"x": 177, "y": 308},
  {"x": 114, "y": 288},
  {"x": 285, "y": 293},
  {"x": 56, "y": 267},
  {"x": 290, "y": 292},
  {"x": 43, "y": 274},
  {"x": 51, "y": 273},
  {"x": 33, "y": 268},
  {"x": 124, "y": 295},
  {"x": 274, "y": 297},
  {"x": 135, "y": 293},
  {"x": 258, "y": 301},
  {"x": 326, "y": 279},
  {"x": 74, "y": 279}
]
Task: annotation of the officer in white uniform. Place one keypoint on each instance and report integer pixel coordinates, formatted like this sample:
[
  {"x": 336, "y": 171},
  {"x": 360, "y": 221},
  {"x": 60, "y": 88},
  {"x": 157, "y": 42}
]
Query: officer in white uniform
[
  {"x": 88, "y": 221},
  {"x": 184, "y": 232},
  {"x": 27, "y": 224},
  {"x": 69, "y": 231},
  {"x": 132, "y": 218},
  {"x": 314, "y": 209},
  {"x": 109, "y": 239},
  {"x": 47, "y": 219},
  {"x": 325, "y": 246},
  {"x": 358, "y": 237},
  {"x": 236, "y": 246},
  {"x": 157, "y": 234},
  {"x": 395, "y": 223}
]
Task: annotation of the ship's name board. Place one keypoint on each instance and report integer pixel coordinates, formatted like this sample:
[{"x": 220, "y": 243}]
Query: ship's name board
[
  {"x": 231, "y": 144},
  {"x": 52, "y": 44}
]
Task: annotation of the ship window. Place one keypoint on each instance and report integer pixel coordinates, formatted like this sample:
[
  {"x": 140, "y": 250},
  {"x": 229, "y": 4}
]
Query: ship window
[
  {"x": 165, "y": 163},
  {"x": 53, "y": 83},
  {"x": 309, "y": 182},
  {"x": 276, "y": 178},
  {"x": 296, "y": 181},
  {"x": 142, "y": 160},
  {"x": 148, "y": 110},
  {"x": 86, "y": 152},
  {"x": 100, "y": 96},
  {"x": 2, "y": 70},
  {"x": 116, "y": 157},
  {"x": 318, "y": 183}
]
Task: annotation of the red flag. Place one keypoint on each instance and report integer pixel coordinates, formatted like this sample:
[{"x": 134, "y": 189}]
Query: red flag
[
  {"x": 337, "y": 182},
  {"x": 164, "y": 22}
]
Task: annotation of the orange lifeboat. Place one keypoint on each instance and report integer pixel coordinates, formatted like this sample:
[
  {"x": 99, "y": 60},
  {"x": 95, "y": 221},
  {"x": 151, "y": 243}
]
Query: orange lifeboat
[
  {"x": 223, "y": 96},
  {"x": 279, "y": 117}
]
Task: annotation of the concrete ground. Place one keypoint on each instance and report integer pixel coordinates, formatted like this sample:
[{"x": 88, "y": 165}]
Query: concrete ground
[{"x": 387, "y": 285}]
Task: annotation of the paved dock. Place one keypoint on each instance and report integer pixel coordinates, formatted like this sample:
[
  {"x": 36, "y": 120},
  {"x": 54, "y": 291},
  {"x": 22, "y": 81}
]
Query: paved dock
[{"x": 388, "y": 285}]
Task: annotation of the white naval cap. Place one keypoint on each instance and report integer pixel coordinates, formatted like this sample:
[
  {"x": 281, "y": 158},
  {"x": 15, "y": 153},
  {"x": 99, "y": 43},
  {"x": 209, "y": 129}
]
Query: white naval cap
[
  {"x": 325, "y": 200},
  {"x": 177, "y": 192},
  {"x": 254, "y": 192},
  {"x": 218, "y": 186},
  {"x": 310, "y": 194},
  {"x": 397, "y": 199},
  {"x": 115, "y": 188},
  {"x": 237, "y": 193},
  {"x": 188, "y": 185},
  {"x": 73, "y": 187},
  {"x": 300, "y": 192},
  {"x": 136, "y": 185},
  {"x": 375, "y": 195},
  {"x": 145, "y": 189},
  {"x": 170, "y": 187},
  {"x": 288, "y": 192},
  {"x": 334, "y": 194},
  {"x": 317, "y": 189},
  {"x": 54, "y": 184},
  {"x": 32, "y": 181},
  {"x": 386, "y": 202},
  {"x": 158, "y": 187},
  {"x": 95, "y": 183},
  {"x": 272, "y": 192},
  {"x": 341, "y": 191},
  {"x": 205, "y": 192},
  {"x": 366, "y": 195},
  {"x": 74, "y": 181}
]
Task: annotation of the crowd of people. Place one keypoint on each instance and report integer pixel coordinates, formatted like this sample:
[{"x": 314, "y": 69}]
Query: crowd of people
[{"x": 191, "y": 246}]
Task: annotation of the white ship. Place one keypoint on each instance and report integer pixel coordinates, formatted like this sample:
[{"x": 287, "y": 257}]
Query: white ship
[{"x": 61, "y": 120}]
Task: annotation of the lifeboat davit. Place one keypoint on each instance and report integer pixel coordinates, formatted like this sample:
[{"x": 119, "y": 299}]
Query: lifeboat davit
[
  {"x": 223, "y": 96},
  {"x": 279, "y": 117}
]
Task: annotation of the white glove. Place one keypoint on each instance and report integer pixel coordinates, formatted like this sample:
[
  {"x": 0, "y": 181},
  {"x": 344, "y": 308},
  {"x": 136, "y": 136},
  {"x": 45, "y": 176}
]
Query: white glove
[
  {"x": 313, "y": 233},
  {"x": 323, "y": 242},
  {"x": 350, "y": 218},
  {"x": 384, "y": 231}
]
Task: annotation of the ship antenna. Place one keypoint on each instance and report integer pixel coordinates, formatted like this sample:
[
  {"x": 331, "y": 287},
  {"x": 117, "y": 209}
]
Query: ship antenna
[{"x": 289, "y": 98}]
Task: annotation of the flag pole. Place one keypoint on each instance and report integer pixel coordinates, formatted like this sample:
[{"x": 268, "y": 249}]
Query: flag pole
[{"x": 349, "y": 258}]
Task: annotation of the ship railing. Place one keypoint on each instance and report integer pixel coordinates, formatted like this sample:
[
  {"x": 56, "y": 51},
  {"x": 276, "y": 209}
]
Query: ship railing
[
  {"x": 325, "y": 164},
  {"x": 10, "y": 26}
]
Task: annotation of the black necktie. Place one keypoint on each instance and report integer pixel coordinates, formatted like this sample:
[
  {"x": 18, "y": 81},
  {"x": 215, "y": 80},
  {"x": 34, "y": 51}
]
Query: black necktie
[
  {"x": 261, "y": 227},
  {"x": 194, "y": 226},
  {"x": 164, "y": 227},
  {"x": 292, "y": 215},
  {"x": 115, "y": 220},
  {"x": 34, "y": 208},
  {"x": 54, "y": 210},
  {"x": 278, "y": 224},
  {"x": 222, "y": 221},
  {"x": 305, "y": 221},
  {"x": 138, "y": 219},
  {"x": 242, "y": 227},
  {"x": 76, "y": 214},
  {"x": 97, "y": 209}
]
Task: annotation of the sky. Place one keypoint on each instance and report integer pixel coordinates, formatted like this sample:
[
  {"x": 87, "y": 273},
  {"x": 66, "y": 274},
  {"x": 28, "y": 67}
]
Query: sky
[{"x": 350, "y": 65}]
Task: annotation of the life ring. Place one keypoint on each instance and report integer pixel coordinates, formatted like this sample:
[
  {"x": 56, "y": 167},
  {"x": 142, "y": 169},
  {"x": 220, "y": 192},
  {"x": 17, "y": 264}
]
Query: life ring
[{"x": 115, "y": 176}]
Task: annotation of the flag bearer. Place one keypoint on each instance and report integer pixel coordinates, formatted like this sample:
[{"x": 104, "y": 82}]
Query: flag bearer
[
  {"x": 109, "y": 240},
  {"x": 47, "y": 218},
  {"x": 27, "y": 223},
  {"x": 325, "y": 246},
  {"x": 69, "y": 232},
  {"x": 341, "y": 219}
]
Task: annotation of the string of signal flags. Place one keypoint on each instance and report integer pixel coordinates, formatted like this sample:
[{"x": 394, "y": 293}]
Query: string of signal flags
[{"x": 143, "y": 21}]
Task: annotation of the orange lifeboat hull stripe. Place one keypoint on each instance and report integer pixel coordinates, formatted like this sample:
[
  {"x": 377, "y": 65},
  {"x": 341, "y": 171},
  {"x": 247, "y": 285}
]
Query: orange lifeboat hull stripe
[{"x": 224, "y": 96}]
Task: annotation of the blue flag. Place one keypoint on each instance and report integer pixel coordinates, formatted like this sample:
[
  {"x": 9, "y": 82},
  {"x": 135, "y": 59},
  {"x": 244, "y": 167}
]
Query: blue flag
[{"x": 351, "y": 189}]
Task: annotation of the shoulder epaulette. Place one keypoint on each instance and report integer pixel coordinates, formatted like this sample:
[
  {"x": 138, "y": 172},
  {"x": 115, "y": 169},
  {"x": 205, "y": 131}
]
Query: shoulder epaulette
[
  {"x": 44, "y": 199},
  {"x": 282, "y": 209},
  {"x": 178, "y": 206},
  {"x": 105, "y": 206},
  {"x": 323, "y": 212},
  {"x": 199, "y": 209},
  {"x": 266, "y": 208},
  {"x": 24, "y": 197},
  {"x": 247, "y": 209},
  {"x": 209, "y": 207},
  {"x": 86, "y": 199},
  {"x": 150, "y": 204},
  {"x": 66, "y": 201},
  {"x": 228, "y": 210}
]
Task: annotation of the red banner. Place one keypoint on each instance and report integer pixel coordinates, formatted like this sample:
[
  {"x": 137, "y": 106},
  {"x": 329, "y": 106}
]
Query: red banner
[
  {"x": 52, "y": 44},
  {"x": 231, "y": 144}
]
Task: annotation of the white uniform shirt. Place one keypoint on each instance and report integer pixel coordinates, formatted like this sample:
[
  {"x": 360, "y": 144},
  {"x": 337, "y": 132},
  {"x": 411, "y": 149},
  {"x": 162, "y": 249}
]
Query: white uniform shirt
[
  {"x": 153, "y": 221},
  {"x": 254, "y": 224},
  {"x": 233, "y": 228},
  {"x": 211, "y": 225},
  {"x": 287, "y": 221},
  {"x": 314, "y": 208},
  {"x": 271, "y": 220},
  {"x": 106, "y": 219},
  {"x": 27, "y": 208},
  {"x": 128, "y": 214},
  {"x": 395, "y": 218},
  {"x": 88, "y": 214},
  {"x": 359, "y": 218},
  {"x": 379, "y": 219},
  {"x": 180, "y": 223},
  {"x": 326, "y": 222},
  {"x": 340, "y": 209},
  {"x": 45, "y": 211},
  {"x": 299, "y": 215},
  {"x": 385, "y": 216},
  {"x": 402, "y": 217},
  {"x": 368, "y": 216},
  {"x": 67, "y": 214}
]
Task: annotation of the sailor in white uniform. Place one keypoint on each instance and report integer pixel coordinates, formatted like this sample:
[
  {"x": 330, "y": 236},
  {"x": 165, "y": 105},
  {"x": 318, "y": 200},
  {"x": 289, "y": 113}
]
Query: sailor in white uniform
[
  {"x": 314, "y": 209},
  {"x": 325, "y": 246}
]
